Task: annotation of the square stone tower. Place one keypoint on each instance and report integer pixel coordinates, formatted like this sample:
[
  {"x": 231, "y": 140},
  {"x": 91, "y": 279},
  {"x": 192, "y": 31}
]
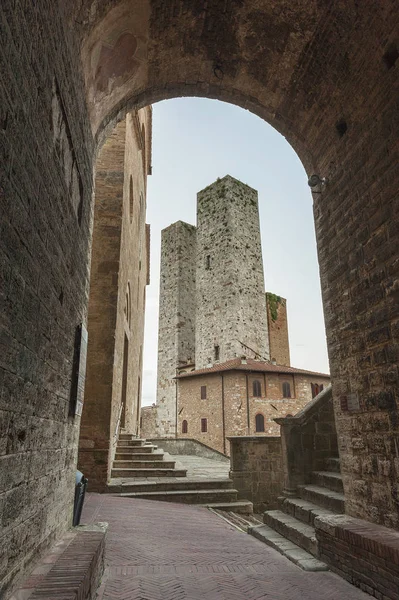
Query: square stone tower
[
  {"x": 231, "y": 315},
  {"x": 176, "y": 335}
]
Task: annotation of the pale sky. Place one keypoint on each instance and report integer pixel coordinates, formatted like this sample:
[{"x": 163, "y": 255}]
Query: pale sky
[{"x": 195, "y": 141}]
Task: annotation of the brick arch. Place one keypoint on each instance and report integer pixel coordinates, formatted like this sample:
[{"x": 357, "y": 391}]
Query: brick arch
[{"x": 307, "y": 71}]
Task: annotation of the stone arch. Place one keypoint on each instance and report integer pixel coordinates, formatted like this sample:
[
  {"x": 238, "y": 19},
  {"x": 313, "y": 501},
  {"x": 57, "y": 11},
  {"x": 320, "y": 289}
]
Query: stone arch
[{"x": 306, "y": 70}]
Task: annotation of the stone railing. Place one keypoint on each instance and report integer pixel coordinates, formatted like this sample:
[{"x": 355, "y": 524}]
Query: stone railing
[
  {"x": 307, "y": 439},
  {"x": 256, "y": 469}
]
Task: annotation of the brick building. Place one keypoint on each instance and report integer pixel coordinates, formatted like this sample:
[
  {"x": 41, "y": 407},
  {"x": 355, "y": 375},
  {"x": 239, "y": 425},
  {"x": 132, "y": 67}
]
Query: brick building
[
  {"x": 241, "y": 397},
  {"x": 119, "y": 276}
]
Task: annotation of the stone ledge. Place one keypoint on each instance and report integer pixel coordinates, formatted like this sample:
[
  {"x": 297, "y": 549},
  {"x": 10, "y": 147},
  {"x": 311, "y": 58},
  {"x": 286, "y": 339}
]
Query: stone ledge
[
  {"x": 71, "y": 570},
  {"x": 364, "y": 553}
]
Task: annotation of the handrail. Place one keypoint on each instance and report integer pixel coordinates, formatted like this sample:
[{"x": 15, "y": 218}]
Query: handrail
[{"x": 118, "y": 424}]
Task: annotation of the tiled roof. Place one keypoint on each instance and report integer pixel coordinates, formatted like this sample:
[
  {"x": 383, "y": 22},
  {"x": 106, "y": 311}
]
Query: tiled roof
[{"x": 250, "y": 365}]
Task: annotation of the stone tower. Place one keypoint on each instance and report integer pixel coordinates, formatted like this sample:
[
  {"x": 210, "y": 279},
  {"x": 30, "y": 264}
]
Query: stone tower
[
  {"x": 231, "y": 315},
  {"x": 278, "y": 329},
  {"x": 176, "y": 335}
]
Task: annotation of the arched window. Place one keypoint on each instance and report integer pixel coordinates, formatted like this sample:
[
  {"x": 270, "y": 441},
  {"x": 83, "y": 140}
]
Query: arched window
[
  {"x": 259, "y": 423},
  {"x": 256, "y": 388},
  {"x": 286, "y": 390},
  {"x": 184, "y": 427}
]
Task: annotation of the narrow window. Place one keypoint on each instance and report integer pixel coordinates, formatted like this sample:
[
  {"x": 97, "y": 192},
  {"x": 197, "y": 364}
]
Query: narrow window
[
  {"x": 208, "y": 262},
  {"x": 256, "y": 389},
  {"x": 184, "y": 427},
  {"x": 131, "y": 198},
  {"x": 321, "y": 388},
  {"x": 204, "y": 425},
  {"x": 259, "y": 423},
  {"x": 286, "y": 390},
  {"x": 203, "y": 392},
  {"x": 217, "y": 352},
  {"x": 316, "y": 389}
]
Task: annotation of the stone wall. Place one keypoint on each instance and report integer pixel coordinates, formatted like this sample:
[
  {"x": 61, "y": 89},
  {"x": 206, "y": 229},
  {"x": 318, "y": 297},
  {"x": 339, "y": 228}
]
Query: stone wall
[
  {"x": 308, "y": 438},
  {"x": 231, "y": 408},
  {"x": 257, "y": 470},
  {"x": 278, "y": 329},
  {"x": 176, "y": 333},
  {"x": 188, "y": 446},
  {"x": 148, "y": 422},
  {"x": 230, "y": 298},
  {"x": 117, "y": 298},
  {"x": 46, "y": 153}
]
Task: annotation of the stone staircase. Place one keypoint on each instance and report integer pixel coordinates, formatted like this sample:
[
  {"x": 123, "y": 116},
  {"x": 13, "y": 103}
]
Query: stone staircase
[
  {"x": 142, "y": 470},
  {"x": 290, "y": 530}
]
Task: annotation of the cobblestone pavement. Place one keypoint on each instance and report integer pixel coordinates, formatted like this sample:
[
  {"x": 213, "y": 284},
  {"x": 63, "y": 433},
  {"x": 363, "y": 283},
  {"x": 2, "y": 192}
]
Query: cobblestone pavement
[{"x": 164, "y": 551}]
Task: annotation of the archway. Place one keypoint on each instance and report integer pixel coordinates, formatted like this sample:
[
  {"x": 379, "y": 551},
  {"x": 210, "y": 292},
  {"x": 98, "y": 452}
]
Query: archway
[{"x": 306, "y": 69}]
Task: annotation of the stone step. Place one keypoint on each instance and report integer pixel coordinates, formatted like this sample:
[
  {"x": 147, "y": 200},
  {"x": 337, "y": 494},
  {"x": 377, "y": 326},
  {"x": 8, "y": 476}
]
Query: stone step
[
  {"x": 298, "y": 533},
  {"x": 328, "y": 479},
  {"x": 147, "y": 449},
  {"x": 151, "y": 456},
  {"x": 130, "y": 443},
  {"x": 188, "y": 496},
  {"x": 144, "y": 464},
  {"x": 156, "y": 472},
  {"x": 333, "y": 464},
  {"x": 115, "y": 487},
  {"x": 243, "y": 507},
  {"x": 127, "y": 436},
  {"x": 294, "y": 553},
  {"x": 323, "y": 497},
  {"x": 303, "y": 510}
]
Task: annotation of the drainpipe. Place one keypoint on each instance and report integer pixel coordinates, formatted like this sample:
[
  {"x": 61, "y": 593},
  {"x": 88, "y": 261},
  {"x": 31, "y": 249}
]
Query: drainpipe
[
  {"x": 223, "y": 418},
  {"x": 248, "y": 432}
]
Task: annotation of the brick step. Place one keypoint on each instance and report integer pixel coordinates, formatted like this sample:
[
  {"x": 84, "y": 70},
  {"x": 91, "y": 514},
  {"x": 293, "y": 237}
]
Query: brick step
[
  {"x": 303, "y": 510},
  {"x": 144, "y": 464},
  {"x": 156, "y": 472},
  {"x": 172, "y": 485},
  {"x": 243, "y": 507},
  {"x": 293, "y": 552},
  {"x": 323, "y": 497},
  {"x": 130, "y": 443},
  {"x": 295, "y": 531},
  {"x": 147, "y": 449},
  {"x": 333, "y": 464},
  {"x": 188, "y": 496},
  {"x": 150, "y": 456},
  {"x": 328, "y": 479}
]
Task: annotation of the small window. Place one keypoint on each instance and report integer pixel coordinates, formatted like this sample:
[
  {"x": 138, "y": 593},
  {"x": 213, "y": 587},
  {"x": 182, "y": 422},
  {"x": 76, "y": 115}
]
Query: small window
[
  {"x": 208, "y": 262},
  {"x": 316, "y": 389},
  {"x": 184, "y": 427},
  {"x": 286, "y": 390},
  {"x": 217, "y": 352},
  {"x": 203, "y": 392},
  {"x": 256, "y": 389},
  {"x": 259, "y": 423},
  {"x": 204, "y": 425},
  {"x": 131, "y": 198}
]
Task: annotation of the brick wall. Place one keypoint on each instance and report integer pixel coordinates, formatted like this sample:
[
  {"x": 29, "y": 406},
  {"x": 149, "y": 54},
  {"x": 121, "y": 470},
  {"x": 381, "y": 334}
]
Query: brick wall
[
  {"x": 116, "y": 301},
  {"x": 257, "y": 470}
]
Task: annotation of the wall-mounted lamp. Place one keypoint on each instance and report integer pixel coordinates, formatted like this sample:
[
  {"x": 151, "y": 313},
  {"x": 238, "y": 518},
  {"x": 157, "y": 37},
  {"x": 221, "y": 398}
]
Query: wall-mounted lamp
[{"x": 315, "y": 181}]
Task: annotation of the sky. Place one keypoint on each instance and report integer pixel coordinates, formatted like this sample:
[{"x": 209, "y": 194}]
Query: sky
[{"x": 195, "y": 141}]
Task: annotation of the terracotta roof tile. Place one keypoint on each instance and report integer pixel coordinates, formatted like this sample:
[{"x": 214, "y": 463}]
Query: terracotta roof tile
[{"x": 250, "y": 365}]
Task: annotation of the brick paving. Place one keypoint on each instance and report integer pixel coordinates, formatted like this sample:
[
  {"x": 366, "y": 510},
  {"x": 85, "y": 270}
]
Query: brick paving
[{"x": 164, "y": 551}]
